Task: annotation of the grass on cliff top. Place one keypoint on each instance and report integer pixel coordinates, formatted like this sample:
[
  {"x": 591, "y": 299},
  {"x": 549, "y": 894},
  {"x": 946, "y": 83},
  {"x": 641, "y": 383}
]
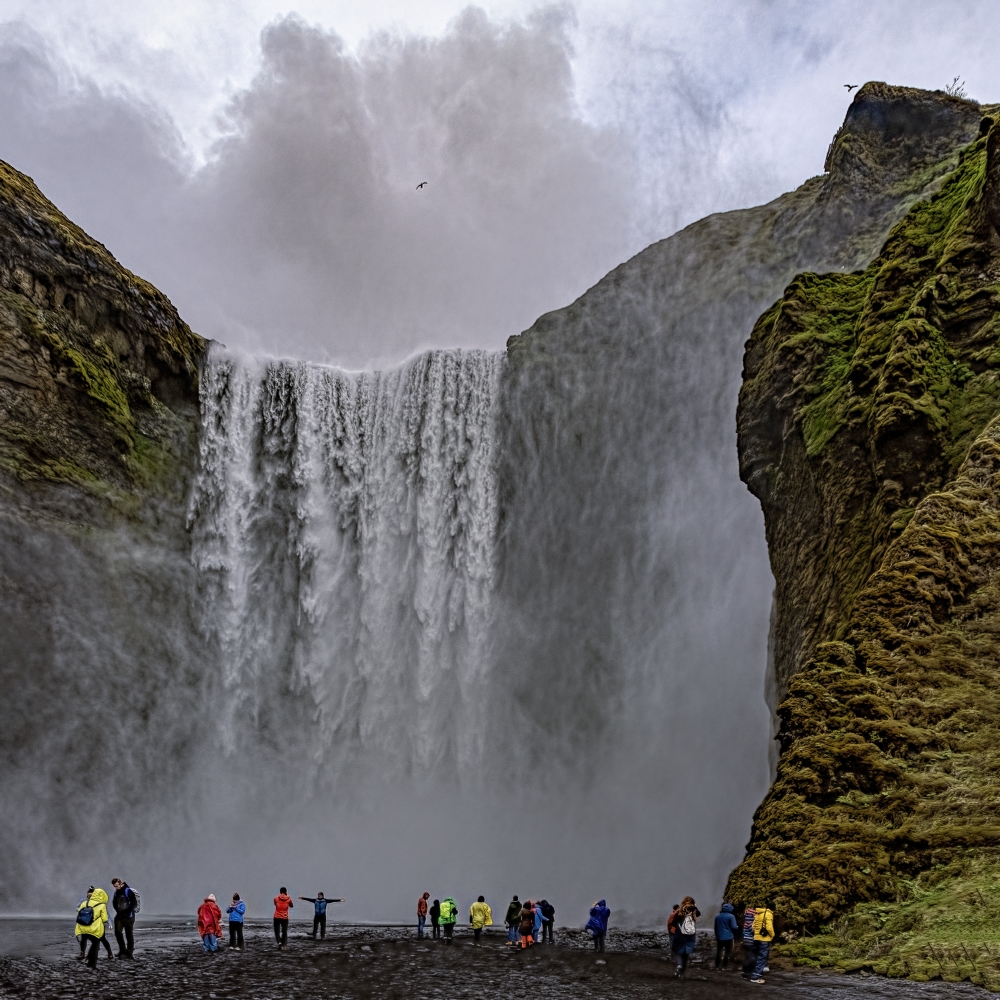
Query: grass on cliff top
[{"x": 873, "y": 332}]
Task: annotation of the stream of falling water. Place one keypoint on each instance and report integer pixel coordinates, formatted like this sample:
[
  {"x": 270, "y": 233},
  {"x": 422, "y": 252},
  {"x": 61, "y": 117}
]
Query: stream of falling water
[{"x": 346, "y": 527}]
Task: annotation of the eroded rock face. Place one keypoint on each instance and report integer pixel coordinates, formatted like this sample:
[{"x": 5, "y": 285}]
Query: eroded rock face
[
  {"x": 98, "y": 374},
  {"x": 625, "y": 401},
  {"x": 868, "y": 427},
  {"x": 99, "y": 426}
]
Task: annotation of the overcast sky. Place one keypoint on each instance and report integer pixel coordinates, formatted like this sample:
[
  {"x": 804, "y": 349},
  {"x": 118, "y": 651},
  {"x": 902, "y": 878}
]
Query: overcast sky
[{"x": 258, "y": 161}]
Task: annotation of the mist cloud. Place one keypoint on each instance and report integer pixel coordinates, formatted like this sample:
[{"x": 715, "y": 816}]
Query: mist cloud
[{"x": 305, "y": 234}]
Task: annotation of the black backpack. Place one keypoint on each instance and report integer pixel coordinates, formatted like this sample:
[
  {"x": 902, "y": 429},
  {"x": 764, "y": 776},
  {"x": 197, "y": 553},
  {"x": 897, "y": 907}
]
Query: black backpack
[
  {"x": 85, "y": 916},
  {"x": 127, "y": 899}
]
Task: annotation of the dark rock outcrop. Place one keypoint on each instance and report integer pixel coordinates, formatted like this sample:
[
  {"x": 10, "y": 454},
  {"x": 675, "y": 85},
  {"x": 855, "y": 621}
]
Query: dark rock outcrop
[
  {"x": 869, "y": 428},
  {"x": 98, "y": 373}
]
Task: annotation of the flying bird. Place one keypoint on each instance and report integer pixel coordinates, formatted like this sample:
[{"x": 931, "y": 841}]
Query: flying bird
[
  {"x": 852, "y": 86},
  {"x": 421, "y": 184}
]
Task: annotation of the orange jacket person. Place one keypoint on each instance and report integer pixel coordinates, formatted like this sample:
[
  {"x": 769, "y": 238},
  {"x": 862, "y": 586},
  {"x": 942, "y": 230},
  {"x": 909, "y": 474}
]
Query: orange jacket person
[{"x": 282, "y": 902}]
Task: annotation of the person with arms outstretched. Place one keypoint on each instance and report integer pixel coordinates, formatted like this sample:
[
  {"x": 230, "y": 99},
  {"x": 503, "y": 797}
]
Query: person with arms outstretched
[{"x": 319, "y": 916}]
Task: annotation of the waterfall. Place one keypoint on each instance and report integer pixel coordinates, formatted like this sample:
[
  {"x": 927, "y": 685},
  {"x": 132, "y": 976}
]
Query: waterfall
[{"x": 344, "y": 528}]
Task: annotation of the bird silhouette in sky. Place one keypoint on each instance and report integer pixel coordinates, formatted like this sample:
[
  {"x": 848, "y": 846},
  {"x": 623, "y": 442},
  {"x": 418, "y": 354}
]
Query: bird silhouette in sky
[
  {"x": 852, "y": 86},
  {"x": 421, "y": 184}
]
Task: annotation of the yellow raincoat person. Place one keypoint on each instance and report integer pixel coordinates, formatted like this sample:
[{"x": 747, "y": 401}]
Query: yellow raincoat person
[
  {"x": 97, "y": 900},
  {"x": 480, "y": 916}
]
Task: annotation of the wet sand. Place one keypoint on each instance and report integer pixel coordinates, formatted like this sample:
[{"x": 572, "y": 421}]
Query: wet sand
[{"x": 39, "y": 960}]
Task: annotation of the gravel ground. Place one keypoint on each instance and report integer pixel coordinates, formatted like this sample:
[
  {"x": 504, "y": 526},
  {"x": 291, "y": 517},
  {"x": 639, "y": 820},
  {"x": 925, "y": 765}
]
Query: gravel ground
[{"x": 356, "y": 962}]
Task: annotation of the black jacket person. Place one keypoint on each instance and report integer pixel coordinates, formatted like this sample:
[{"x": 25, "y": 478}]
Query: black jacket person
[{"x": 125, "y": 904}]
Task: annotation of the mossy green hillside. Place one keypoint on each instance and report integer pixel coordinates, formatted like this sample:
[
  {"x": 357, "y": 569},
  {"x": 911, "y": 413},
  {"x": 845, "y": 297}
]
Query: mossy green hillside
[
  {"x": 869, "y": 429},
  {"x": 98, "y": 374},
  {"x": 947, "y": 927}
]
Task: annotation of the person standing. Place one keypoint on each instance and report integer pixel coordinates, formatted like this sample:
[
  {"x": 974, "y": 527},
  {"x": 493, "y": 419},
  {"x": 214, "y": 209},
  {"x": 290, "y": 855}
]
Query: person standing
[
  {"x": 435, "y": 912},
  {"x": 319, "y": 915},
  {"x": 548, "y": 921},
  {"x": 536, "y": 934},
  {"x": 449, "y": 914},
  {"x": 726, "y": 929},
  {"x": 598, "y": 923},
  {"x": 236, "y": 911},
  {"x": 672, "y": 922},
  {"x": 84, "y": 941},
  {"x": 526, "y": 924},
  {"x": 686, "y": 937},
  {"x": 282, "y": 904},
  {"x": 763, "y": 935},
  {"x": 480, "y": 916},
  {"x": 749, "y": 955},
  {"x": 422, "y": 914},
  {"x": 125, "y": 903},
  {"x": 512, "y": 920},
  {"x": 91, "y": 921},
  {"x": 209, "y": 926}
]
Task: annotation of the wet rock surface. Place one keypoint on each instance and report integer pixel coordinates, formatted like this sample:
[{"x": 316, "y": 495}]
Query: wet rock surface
[{"x": 40, "y": 961}]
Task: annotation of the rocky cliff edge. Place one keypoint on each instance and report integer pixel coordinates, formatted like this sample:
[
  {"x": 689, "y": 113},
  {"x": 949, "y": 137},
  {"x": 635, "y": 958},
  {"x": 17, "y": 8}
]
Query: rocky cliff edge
[
  {"x": 869, "y": 428},
  {"x": 98, "y": 373}
]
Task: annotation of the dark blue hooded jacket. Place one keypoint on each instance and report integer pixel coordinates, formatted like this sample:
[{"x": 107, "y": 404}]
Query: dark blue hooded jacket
[
  {"x": 726, "y": 927},
  {"x": 599, "y": 916}
]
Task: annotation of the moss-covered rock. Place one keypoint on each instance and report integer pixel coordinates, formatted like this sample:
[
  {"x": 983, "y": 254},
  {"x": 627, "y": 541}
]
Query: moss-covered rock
[
  {"x": 98, "y": 374},
  {"x": 869, "y": 427}
]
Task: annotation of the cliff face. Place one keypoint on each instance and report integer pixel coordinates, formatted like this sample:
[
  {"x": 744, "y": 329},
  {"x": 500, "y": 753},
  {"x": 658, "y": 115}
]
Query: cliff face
[
  {"x": 98, "y": 374},
  {"x": 869, "y": 430},
  {"x": 99, "y": 427},
  {"x": 627, "y": 398}
]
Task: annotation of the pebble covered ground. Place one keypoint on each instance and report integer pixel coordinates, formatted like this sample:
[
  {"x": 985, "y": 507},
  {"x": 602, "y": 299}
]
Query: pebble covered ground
[{"x": 354, "y": 963}]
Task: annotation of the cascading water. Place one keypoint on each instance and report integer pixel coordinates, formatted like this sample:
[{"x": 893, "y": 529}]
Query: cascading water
[{"x": 345, "y": 526}]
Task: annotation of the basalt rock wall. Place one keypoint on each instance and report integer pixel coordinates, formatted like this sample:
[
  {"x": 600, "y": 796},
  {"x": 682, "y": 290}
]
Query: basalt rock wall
[
  {"x": 98, "y": 442},
  {"x": 869, "y": 428}
]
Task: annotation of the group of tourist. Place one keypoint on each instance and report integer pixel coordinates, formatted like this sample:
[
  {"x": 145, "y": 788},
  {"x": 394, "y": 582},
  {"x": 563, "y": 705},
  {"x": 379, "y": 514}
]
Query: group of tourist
[
  {"x": 92, "y": 921},
  {"x": 757, "y": 935},
  {"x": 528, "y": 924},
  {"x": 210, "y": 919}
]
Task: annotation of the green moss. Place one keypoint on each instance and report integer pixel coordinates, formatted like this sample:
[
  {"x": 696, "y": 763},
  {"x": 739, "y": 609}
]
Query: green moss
[
  {"x": 947, "y": 927},
  {"x": 885, "y": 811},
  {"x": 101, "y": 385},
  {"x": 874, "y": 340}
]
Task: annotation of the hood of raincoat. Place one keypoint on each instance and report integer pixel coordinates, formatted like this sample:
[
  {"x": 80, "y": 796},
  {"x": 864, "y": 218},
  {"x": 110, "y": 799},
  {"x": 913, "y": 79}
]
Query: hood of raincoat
[
  {"x": 98, "y": 899},
  {"x": 727, "y": 908}
]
